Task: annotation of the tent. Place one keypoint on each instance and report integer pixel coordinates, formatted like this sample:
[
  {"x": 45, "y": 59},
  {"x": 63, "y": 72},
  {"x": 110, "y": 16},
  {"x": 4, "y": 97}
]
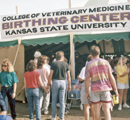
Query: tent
[
  {"x": 114, "y": 43},
  {"x": 17, "y": 49}
]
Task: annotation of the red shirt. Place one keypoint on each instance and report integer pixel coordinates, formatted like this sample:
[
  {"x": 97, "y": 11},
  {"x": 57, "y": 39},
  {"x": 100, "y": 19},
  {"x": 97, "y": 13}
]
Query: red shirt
[{"x": 32, "y": 79}]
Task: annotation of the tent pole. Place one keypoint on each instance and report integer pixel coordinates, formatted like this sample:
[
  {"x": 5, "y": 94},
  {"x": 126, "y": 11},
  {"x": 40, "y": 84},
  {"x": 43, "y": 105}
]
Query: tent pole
[
  {"x": 72, "y": 52},
  {"x": 72, "y": 57},
  {"x": 104, "y": 48},
  {"x": 16, "y": 9},
  {"x": 69, "y": 3},
  {"x": 19, "y": 43}
]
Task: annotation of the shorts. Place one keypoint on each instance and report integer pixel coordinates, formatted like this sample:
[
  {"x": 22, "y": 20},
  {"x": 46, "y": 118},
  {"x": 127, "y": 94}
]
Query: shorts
[
  {"x": 122, "y": 86},
  {"x": 97, "y": 97},
  {"x": 83, "y": 96}
]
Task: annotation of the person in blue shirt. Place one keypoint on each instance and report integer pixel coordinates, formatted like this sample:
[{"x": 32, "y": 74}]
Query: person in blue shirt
[
  {"x": 3, "y": 112},
  {"x": 2, "y": 105},
  {"x": 8, "y": 82}
]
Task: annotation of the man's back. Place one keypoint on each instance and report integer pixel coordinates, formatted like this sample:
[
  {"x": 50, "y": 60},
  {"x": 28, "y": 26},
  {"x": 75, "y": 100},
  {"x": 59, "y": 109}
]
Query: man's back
[
  {"x": 60, "y": 68},
  {"x": 98, "y": 70}
]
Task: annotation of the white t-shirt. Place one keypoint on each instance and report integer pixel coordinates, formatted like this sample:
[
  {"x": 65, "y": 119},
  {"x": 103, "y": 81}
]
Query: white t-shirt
[
  {"x": 44, "y": 72},
  {"x": 82, "y": 76},
  {"x": 48, "y": 66},
  {"x": 36, "y": 60}
]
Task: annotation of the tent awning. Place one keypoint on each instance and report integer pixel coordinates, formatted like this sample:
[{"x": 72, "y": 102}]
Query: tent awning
[
  {"x": 99, "y": 37},
  {"x": 66, "y": 38},
  {"x": 41, "y": 41},
  {"x": 9, "y": 43}
]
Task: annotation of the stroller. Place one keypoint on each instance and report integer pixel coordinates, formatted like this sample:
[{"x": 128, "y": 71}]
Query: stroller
[{"x": 74, "y": 94}]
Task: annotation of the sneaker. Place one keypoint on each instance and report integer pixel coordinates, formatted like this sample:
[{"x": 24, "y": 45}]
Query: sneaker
[
  {"x": 120, "y": 107},
  {"x": 81, "y": 106},
  {"x": 42, "y": 109},
  {"x": 126, "y": 106},
  {"x": 67, "y": 112},
  {"x": 52, "y": 118},
  {"x": 61, "y": 118},
  {"x": 58, "y": 105},
  {"x": 46, "y": 112}
]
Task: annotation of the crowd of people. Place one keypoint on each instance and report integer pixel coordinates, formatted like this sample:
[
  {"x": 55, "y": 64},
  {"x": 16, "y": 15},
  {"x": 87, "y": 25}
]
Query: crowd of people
[{"x": 98, "y": 78}]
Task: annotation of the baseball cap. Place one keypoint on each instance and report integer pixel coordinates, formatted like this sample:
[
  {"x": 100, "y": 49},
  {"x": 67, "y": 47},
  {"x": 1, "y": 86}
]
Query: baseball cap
[{"x": 37, "y": 54}]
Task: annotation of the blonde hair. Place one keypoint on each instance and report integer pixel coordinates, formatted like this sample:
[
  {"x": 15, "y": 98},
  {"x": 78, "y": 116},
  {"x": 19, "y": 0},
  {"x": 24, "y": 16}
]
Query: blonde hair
[
  {"x": 120, "y": 62},
  {"x": 9, "y": 65}
]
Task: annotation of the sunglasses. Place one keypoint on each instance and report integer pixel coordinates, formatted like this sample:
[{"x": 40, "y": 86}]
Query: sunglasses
[{"x": 4, "y": 65}]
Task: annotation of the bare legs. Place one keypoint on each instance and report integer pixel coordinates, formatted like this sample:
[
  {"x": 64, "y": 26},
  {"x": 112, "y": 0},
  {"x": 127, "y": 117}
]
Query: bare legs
[
  {"x": 86, "y": 111},
  {"x": 92, "y": 111},
  {"x": 97, "y": 111},
  {"x": 125, "y": 96},
  {"x": 106, "y": 110},
  {"x": 122, "y": 94}
]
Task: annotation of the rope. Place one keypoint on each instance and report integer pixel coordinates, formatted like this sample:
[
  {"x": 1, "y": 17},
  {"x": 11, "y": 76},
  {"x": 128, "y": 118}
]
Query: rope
[{"x": 19, "y": 43}]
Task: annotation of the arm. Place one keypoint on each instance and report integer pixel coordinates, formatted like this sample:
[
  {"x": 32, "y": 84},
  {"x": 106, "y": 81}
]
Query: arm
[
  {"x": 113, "y": 83},
  {"x": 0, "y": 87},
  {"x": 121, "y": 72},
  {"x": 87, "y": 84},
  {"x": 50, "y": 78},
  {"x": 42, "y": 85},
  {"x": 125, "y": 73},
  {"x": 0, "y": 82},
  {"x": 25, "y": 85},
  {"x": 69, "y": 80},
  {"x": 47, "y": 74},
  {"x": 15, "y": 81},
  {"x": 14, "y": 90}
]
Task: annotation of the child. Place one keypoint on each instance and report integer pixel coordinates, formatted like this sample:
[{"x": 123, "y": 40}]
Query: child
[{"x": 84, "y": 100}]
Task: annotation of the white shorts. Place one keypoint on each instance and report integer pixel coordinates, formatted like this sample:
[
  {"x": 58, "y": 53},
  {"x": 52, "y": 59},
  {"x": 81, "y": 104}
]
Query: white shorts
[
  {"x": 122, "y": 86},
  {"x": 83, "y": 96},
  {"x": 97, "y": 97}
]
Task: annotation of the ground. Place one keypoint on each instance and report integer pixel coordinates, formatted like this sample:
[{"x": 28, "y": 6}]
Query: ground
[{"x": 74, "y": 113}]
